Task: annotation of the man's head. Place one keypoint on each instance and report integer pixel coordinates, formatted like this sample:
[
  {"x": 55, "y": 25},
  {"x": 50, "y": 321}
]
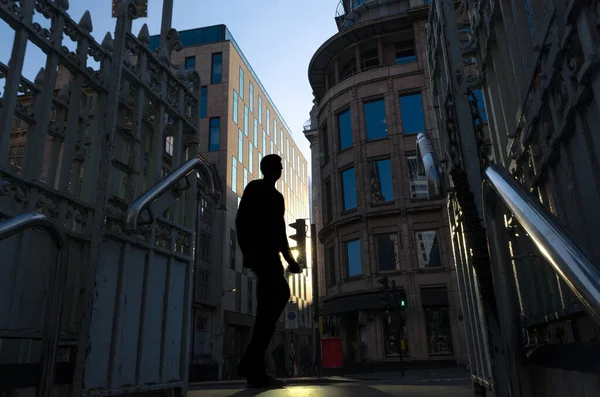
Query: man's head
[{"x": 271, "y": 167}]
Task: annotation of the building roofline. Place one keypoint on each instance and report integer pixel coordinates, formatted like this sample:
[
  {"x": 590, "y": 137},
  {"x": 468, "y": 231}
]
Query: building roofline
[{"x": 229, "y": 37}]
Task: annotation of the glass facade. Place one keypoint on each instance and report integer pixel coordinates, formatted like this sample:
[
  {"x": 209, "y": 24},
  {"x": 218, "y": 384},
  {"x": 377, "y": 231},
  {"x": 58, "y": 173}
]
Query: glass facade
[
  {"x": 381, "y": 181},
  {"x": 214, "y": 138},
  {"x": 349, "y": 189},
  {"x": 345, "y": 130},
  {"x": 353, "y": 262},
  {"x": 413, "y": 119},
  {"x": 217, "y": 68},
  {"x": 428, "y": 249},
  {"x": 235, "y": 110},
  {"x": 203, "y": 101}
]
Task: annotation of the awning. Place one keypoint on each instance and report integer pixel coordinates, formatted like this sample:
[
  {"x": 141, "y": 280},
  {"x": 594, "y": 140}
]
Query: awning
[{"x": 353, "y": 302}]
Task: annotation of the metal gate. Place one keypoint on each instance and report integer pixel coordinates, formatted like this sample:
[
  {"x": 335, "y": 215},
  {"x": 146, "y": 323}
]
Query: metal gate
[{"x": 98, "y": 127}]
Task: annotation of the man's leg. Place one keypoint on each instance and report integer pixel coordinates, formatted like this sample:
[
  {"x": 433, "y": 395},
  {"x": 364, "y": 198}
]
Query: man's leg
[{"x": 272, "y": 294}]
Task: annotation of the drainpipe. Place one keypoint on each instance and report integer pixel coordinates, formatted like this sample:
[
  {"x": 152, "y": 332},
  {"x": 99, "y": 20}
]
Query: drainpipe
[{"x": 429, "y": 166}]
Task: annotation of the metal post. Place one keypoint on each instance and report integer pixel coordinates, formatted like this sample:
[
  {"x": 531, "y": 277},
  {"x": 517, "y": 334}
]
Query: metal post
[
  {"x": 400, "y": 334},
  {"x": 315, "y": 305}
]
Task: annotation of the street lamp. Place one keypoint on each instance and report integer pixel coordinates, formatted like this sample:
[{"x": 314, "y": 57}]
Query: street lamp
[{"x": 231, "y": 290}]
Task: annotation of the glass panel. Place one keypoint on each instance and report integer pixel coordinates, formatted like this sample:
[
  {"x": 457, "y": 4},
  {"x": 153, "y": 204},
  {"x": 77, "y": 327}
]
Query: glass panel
[
  {"x": 439, "y": 335},
  {"x": 268, "y": 122},
  {"x": 190, "y": 63},
  {"x": 413, "y": 119},
  {"x": 240, "y": 146},
  {"x": 251, "y": 89},
  {"x": 234, "y": 111},
  {"x": 353, "y": 261},
  {"x": 246, "y": 120},
  {"x": 375, "y": 122},
  {"x": 245, "y": 178},
  {"x": 381, "y": 181},
  {"x": 387, "y": 251},
  {"x": 215, "y": 134},
  {"x": 216, "y": 68},
  {"x": 480, "y": 104},
  {"x": 264, "y": 142},
  {"x": 428, "y": 249},
  {"x": 345, "y": 130},
  {"x": 241, "y": 83},
  {"x": 418, "y": 183},
  {"x": 349, "y": 188},
  {"x": 405, "y": 53},
  {"x": 255, "y": 132},
  {"x": 392, "y": 336},
  {"x": 259, "y": 110},
  {"x": 234, "y": 175},
  {"x": 250, "y": 159}
]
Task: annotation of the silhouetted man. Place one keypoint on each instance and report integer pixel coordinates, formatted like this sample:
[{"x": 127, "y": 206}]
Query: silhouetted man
[{"x": 261, "y": 232}]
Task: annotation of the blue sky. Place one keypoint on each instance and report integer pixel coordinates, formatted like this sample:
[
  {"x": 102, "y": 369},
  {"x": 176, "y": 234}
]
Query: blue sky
[{"x": 278, "y": 37}]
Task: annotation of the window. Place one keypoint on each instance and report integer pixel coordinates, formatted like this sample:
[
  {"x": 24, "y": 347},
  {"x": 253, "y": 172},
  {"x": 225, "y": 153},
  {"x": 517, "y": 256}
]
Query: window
[
  {"x": 215, "y": 134},
  {"x": 234, "y": 111},
  {"x": 418, "y": 183},
  {"x": 439, "y": 335},
  {"x": 274, "y": 129},
  {"x": 246, "y": 120},
  {"x": 349, "y": 189},
  {"x": 256, "y": 132},
  {"x": 480, "y": 104},
  {"x": 325, "y": 145},
  {"x": 353, "y": 261},
  {"x": 238, "y": 292},
  {"x": 375, "y": 122},
  {"x": 426, "y": 2},
  {"x": 200, "y": 333},
  {"x": 268, "y": 122},
  {"x": 293, "y": 157},
  {"x": 15, "y": 157},
  {"x": 232, "y": 248},
  {"x": 387, "y": 251},
  {"x": 287, "y": 149},
  {"x": 411, "y": 108},
  {"x": 428, "y": 248},
  {"x": 245, "y": 177},
  {"x": 260, "y": 110},
  {"x": 190, "y": 63},
  {"x": 330, "y": 267},
  {"x": 281, "y": 136},
  {"x": 272, "y": 151},
  {"x": 217, "y": 68},
  {"x": 241, "y": 83},
  {"x": 204, "y": 247},
  {"x": 345, "y": 130},
  {"x": 203, "y": 101},
  {"x": 251, "y": 159},
  {"x": 234, "y": 175},
  {"x": 369, "y": 60},
  {"x": 240, "y": 146},
  {"x": 405, "y": 53},
  {"x": 381, "y": 181},
  {"x": 169, "y": 145},
  {"x": 348, "y": 69},
  {"x": 264, "y": 142},
  {"x": 250, "y": 296},
  {"x": 251, "y": 93}
]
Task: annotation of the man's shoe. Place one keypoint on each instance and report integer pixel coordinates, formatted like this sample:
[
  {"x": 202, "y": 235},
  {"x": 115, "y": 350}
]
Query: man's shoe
[{"x": 265, "y": 381}]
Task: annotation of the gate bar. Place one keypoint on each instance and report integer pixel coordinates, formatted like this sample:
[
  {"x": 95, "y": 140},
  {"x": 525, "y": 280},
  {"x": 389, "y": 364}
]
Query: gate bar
[{"x": 52, "y": 312}]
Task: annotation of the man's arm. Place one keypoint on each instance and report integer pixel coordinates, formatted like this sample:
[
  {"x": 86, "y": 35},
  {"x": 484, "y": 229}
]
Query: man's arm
[{"x": 243, "y": 219}]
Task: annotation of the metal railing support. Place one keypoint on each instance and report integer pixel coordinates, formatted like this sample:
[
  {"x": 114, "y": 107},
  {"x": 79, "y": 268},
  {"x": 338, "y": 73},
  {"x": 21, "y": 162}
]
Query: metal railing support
[
  {"x": 152, "y": 195},
  {"x": 53, "y": 310}
]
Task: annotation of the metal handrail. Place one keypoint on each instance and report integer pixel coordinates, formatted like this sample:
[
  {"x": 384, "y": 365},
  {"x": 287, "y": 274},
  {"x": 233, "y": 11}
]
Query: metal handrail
[
  {"x": 52, "y": 322},
  {"x": 554, "y": 243},
  {"x": 142, "y": 203}
]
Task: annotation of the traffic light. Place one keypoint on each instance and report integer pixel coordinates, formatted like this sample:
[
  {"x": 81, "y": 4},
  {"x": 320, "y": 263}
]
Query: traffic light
[
  {"x": 386, "y": 291},
  {"x": 300, "y": 238}
]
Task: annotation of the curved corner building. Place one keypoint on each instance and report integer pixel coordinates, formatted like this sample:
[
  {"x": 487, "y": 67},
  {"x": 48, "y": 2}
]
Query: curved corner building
[{"x": 370, "y": 202}]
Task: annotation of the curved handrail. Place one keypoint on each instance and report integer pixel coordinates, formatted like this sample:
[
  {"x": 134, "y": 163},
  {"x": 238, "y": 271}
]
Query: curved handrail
[
  {"x": 425, "y": 151},
  {"x": 553, "y": 242},
  {"x": 51, "y": 330},
  {"x": 196, "y": 164}
]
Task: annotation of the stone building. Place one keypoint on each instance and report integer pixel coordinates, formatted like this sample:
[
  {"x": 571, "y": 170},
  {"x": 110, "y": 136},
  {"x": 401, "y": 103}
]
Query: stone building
[{"x": 370, "y": 203}]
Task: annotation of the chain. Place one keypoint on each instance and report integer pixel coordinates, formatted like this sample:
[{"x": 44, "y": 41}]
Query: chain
[{"x": 484, "y": 159}]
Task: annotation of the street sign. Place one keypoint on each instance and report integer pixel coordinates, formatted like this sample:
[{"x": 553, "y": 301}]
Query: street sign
[{"x": 291, "y": 316}]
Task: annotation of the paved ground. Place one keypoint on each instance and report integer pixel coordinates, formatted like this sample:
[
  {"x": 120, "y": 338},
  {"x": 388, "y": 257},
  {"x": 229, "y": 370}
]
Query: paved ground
[
  {"x": 445, "y": 383},
  {"x": 352, "y": 389}
]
